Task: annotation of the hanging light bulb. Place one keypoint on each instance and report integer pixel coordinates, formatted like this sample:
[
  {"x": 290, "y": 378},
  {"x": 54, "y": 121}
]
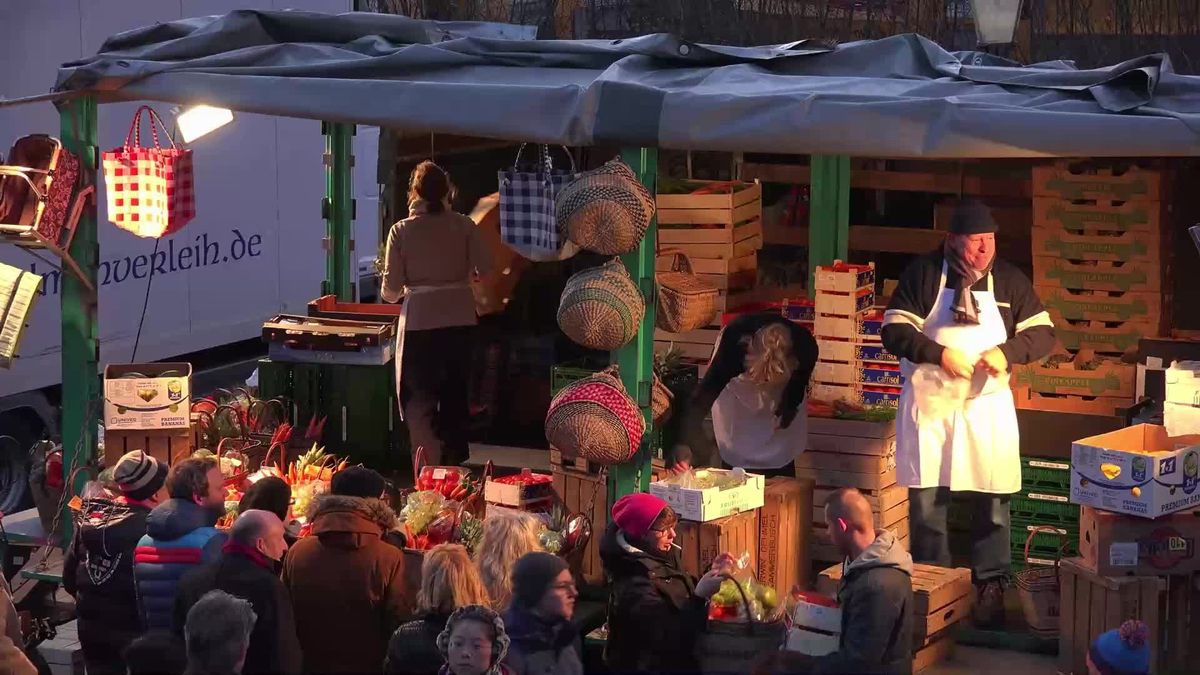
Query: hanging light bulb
[
  {"x": 995, "y": 20},
  {"x": 200, "y": 120}
]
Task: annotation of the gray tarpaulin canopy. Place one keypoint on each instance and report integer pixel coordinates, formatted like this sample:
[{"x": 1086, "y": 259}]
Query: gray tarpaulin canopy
[{"x": 902, "y": 96}]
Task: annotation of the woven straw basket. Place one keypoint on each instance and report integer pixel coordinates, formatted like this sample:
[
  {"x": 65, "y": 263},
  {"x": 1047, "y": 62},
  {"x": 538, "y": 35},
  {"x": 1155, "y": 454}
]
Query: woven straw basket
[
  {"x": 595, "y": 419},
  {"x": 685, "y": 301},
  {"x": 601, "y": 308},
  {"x": 606, "y": 210},
  {"x": 660, "y": 401}
]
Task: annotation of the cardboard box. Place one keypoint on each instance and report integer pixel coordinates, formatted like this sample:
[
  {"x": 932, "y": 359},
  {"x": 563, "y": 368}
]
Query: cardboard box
[
  {"x": 1139, "y": 247},
  {"x": 1112, "y": 379},
  {"x": 1102, "y": 305},
  {"x": 711, "y": 503},
  {"x": 812, "y": 643},
  {"x": 1116, "y": 545},
  {"x": 701, "y": 543},
  {"x": 1106, "y": 406},
  {"x": 842, "y": 277},
  {"x": 1139, "y": 470},
  {"x": 1106, "y": 182},
  {"x": 862, "y": 328},
  {"x": 1183, "y": 383},
  {"x": 157, "y": 396},
  {"x": 817, "y": 625},
  {"x": 846, "y": 351},
  {"x": 1181, "y": 419},
  {"x": 856, "y": 393},
  {"x": 784, "y": 534},
  {"x": 1092, "y": 216},
  {"x": 1101, "y": 336},
  {"x": 1096, "y": 276}
]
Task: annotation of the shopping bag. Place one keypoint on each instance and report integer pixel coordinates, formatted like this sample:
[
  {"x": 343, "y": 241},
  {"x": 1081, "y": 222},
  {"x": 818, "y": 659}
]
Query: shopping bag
[
  {"x": 150, "y": 189},
  {"x": 527, "y": 221}
]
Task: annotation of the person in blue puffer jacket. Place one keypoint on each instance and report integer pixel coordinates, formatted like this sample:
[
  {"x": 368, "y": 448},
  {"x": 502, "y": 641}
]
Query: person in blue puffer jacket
[{"x": 180, "y": 535}]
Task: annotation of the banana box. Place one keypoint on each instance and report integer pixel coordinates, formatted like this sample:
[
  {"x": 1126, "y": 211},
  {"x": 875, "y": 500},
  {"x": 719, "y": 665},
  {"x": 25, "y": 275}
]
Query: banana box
[
  {"x": 816, "y": 625},
  {"x": 147, "y": 396},
  {"x": 1139, "y": 471}
]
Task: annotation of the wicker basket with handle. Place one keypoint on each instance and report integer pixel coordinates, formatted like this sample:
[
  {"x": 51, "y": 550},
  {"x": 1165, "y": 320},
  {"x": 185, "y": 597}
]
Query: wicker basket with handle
[
  {"x": 606, "y": 210},
  {"x": 595, "y": 419},
  {"x": 685, "y": 301},
  {"x": 1039, "y": 590},
  {"x": 660, "y": 401},
  {"x": 601, "y": 308}
]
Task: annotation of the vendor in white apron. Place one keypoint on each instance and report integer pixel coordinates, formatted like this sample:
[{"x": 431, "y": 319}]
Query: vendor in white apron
[
  {"x": 429, "y": 261},
  {"x": 959, "y": 320},
  {"x": 754, "y": 389}
]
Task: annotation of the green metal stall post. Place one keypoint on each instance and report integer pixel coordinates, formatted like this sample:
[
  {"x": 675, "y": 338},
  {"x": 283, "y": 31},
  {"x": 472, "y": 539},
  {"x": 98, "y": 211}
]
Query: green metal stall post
[
  {"x": 81, "y": 394},
  {"x": 338, "y": 210},
  {"x": 636, "y": 359},
  {"x": 829, "y": 220}
]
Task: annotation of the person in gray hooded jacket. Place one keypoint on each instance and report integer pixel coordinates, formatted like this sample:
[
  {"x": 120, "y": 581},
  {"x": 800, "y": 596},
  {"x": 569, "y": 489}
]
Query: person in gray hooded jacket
[{"x": 875, "y": 593}]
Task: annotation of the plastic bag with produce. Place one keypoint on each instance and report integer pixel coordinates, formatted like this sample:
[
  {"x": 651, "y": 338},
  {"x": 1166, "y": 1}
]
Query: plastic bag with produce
[{"x": 741, "y": 598}]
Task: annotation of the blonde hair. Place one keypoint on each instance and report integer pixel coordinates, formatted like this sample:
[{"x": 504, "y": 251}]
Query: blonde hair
[
  {"x": 505, "y": 539},
  {"x": 769, "y": 358},
  {"x": 449, "y": 581}
]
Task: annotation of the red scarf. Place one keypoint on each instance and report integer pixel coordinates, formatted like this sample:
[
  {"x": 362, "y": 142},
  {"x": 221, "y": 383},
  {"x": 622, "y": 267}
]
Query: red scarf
[{"x": 253, "y": 554}]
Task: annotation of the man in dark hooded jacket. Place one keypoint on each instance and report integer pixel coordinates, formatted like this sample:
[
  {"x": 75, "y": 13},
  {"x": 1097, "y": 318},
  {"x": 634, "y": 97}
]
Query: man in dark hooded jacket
[
  {"x": 180, "y": 536},
  {"x": 875, "y": 594}
]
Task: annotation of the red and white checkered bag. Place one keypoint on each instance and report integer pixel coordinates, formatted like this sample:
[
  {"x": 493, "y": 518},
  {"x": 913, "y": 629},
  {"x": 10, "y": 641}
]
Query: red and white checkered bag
[{"x": 150, "y": 190}]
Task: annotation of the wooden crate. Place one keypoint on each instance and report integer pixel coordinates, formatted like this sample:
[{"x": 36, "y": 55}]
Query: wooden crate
[
  {"x": 1102, "y": 305},
  {"x": 865, "y": 472},
  {"x": 1097, "y": 215},
  {"x": 743, "y": 265},
  {"x": 1101, "y": 181},
  {"x": 729, "y": 207},
  {"x": 1096, "y": 275},
  {"x": 724, "y": 251},
  {"x": 1027, "y": 399},
  {"x": 578, "y": 464},
  {"x": 1139, "y": 247},
  {"x": 881, "y": 501},
  {"x": 1105, "y": 337},
  {"x": 1111, "y": 379},
  {"x": 785, "y": 534},
  {"x": 1092, "y": 604},
  {"x": 702, "y": 336},
  {"x": 688, "y": 350},
  {"x": 586, "y": 494},
  {"x": 672, "y": 236},
  {"x": 937, "y": 652},
  {"x": 165, "y": 445},
  {"x": 851, "y": 436},
  {"x": 701, "y": 543},
  {"x": 941, "y": 598}
]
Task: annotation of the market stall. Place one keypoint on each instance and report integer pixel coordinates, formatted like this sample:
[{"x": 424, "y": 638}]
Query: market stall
[{"x": 641, "y": 94}]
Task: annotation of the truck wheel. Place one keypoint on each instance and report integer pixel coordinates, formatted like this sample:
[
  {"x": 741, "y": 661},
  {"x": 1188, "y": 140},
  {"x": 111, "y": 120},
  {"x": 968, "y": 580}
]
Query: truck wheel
[{"x": 14, "y": 462}]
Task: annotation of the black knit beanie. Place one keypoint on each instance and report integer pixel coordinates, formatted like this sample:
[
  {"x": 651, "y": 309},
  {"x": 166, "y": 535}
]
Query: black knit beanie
[
  {"x": 532, "y": 575},
  {"x": 357, "y": 481}
]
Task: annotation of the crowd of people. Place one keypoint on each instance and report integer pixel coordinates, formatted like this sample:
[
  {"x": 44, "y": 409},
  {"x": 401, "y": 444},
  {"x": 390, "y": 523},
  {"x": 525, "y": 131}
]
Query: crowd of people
[{"x": 160, "y": 590}]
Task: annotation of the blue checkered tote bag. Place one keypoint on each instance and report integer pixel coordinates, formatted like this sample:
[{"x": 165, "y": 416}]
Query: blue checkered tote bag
[{"x": 527, "y": 221}]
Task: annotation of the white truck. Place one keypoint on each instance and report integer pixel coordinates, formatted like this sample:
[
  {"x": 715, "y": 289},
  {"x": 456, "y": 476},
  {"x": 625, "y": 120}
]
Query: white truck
[{"x": 254, "y": 249}]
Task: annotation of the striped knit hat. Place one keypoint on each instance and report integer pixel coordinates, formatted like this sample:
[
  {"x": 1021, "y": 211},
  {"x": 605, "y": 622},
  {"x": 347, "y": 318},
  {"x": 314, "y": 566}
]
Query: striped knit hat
[{"x": 139, "y": 475}]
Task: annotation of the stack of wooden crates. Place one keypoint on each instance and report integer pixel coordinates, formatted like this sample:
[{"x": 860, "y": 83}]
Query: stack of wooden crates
[
  {"x": 941, "y": 599},
  {"x": 853, "y": 364},
  {"x": 1099, "y": 267},
  {"x": 849, "y": 453},
  {"x": 718, "y": 226}
]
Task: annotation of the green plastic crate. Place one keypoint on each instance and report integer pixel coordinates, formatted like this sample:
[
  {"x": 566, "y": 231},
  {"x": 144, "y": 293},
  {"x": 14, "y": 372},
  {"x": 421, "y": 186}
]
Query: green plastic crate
[
  {"x": 1054, "y": 511},
  {"x": 565, "y": 373},
  {"x": 1039, "y": 474}
]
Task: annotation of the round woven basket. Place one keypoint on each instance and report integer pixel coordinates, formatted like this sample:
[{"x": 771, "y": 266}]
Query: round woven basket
[
  {"x": 660, "y": 402},
  {"x": 595, "y": 419},
  {"x": 601, "y": 308},
  {"x": 606, "y": 210},
  {"x": 685, "y": 301}
]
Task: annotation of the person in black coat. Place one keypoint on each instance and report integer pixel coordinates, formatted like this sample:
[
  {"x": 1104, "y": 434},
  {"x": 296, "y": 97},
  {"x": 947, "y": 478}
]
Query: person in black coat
[
  {"x": 246, "y": 570},
  {"x": 656, "y": 610},
  {"x": 449, "y": 580}
]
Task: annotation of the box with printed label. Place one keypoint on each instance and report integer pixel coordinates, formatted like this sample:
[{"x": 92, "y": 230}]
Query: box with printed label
[
  {"x": 844, "y": 304},
  {"x": 1139, "y": 247},
  {"x": 848, "y": 351},
  {"x": 1101, "y": 336},
  {"x": 816, "y": 625},
  {"x": 1102, "y": 181},
  {"x": 1093, "y": 275},
  {"x": 1109, "y": 379},
  {"x": 1139, "y": 470},
  {"x": 709, "y": 503},
  {"x": 843, "y": 277},
  {"x": 1093, "y": 216},
  {"x": 1084, "y": 305},
  {"x": 1115, "y": 545},
  {"x": 864, "y": 328},
  {"x": 147, "y": 396}
]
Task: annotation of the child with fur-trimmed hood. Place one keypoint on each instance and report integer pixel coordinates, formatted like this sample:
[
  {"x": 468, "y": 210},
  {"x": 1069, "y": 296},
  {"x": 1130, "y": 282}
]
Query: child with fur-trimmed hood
[{"x": 346, "y": 582}]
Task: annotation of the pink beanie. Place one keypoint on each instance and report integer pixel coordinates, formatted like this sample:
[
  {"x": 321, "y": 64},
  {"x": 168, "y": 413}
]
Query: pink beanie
[{"x": 635, "y": 513}]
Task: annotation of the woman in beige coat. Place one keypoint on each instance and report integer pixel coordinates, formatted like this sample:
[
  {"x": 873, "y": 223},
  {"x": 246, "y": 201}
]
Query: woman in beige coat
[{"x": 430, "y": 259}]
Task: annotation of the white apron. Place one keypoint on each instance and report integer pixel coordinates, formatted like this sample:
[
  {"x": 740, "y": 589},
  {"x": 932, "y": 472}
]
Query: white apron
[
  {"x": 402, "y": 321},
  {"x": 972, "y": 448},
  {"x": 744, "y": 424}
]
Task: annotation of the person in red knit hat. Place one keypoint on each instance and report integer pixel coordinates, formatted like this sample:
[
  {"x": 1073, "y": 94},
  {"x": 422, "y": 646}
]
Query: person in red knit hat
[{"x": 655, "y": 608}]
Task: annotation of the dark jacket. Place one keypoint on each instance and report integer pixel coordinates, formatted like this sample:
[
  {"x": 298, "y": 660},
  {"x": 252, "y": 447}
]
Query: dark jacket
[
  {"x": 413, "y": 647},
  {"x": 274, "y": 647},
  {"x": 347, "y": 585},
  {"x": 98, "y": 571},
  {"x": 180, "y": 536},
  {"x": 728, "y": 362},
  {"x": 1030, "y": 331},
  {"x": 653, "y": 612},
  {"x": 877, "y": 613},
  {"x": 540, "y": 647}
]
